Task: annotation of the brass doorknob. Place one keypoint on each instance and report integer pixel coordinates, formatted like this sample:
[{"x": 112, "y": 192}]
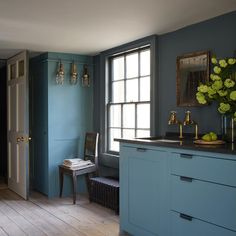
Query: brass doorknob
[
  {"x": 29, "y": 138},
  {"x": 18, "y": 139}
]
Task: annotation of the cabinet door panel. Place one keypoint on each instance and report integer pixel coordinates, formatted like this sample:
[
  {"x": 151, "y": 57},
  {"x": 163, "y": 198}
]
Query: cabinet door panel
[
  {"x": 143, "y": 189},
  {"x": 195, "y": 227},
  {"x": 210, "y": 202},
  {"x": 204, "y": 168}
]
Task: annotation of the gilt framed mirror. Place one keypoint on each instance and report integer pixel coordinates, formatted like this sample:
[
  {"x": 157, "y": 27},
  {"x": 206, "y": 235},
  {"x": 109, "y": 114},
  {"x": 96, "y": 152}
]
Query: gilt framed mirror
[{"x": 192, "y": 69}]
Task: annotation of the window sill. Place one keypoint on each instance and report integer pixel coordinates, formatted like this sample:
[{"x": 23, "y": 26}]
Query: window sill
[{"x": 109, "y": 160}]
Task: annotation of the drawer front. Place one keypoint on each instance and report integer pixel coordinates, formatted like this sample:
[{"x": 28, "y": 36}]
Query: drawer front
[
  {"x": 210, "y": 202},
  {"x": 185, "y": 226},
  {"x": 204, "y": 168}
]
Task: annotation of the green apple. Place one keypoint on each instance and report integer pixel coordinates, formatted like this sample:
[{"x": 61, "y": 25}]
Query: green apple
[
  {"x": 213, "y": 136},
  {"x": 206, "y": 137}
]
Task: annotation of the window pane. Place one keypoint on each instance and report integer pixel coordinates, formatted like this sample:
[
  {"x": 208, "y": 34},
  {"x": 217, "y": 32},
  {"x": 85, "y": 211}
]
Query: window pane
[
  {"x": 132, "y": 65},
  {"x": 132, "y": 90},
  {"x": 118, "y": 91},
  {"x": 145, "y": 89},
  {"x": 143, "y": 133},
  {"x": 118, "y": 68},
  {"x": 128, "y": 133},
  {"x": 143, "y": 116},
  {"x": 115, "y": 116},
  {"x": 145, "y": 63},
  {"x": 129, "y": 116},
  {"x": 113, "y": 145}
]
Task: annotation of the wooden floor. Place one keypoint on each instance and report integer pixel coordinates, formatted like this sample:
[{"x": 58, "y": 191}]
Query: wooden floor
[{"x": 41, "y": 216}]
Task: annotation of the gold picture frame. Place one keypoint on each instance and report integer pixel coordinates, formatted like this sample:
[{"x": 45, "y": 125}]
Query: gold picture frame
[{"x": 192, "y": 69}]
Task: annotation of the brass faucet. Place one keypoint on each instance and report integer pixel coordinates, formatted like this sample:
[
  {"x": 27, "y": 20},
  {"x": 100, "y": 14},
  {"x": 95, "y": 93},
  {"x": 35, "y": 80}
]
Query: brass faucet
[
  {"x": 188, "y": 121},
  {"x": 173, "y": 121}
]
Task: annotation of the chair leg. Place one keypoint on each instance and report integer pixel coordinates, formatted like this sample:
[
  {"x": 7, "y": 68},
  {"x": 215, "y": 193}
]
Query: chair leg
[
  {"x": 87, "y": 179},
  {"x": 87, "y": 182},
  {"x": 74, "y": 178},
  {"x": 61, "y": 178}
]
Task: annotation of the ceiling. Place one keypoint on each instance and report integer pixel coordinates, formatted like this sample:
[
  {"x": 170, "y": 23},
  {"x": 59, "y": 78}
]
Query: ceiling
[{"x": 91, "y": 26}]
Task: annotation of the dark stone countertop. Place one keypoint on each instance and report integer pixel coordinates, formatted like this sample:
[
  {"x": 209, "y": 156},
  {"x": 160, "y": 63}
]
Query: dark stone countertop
[{"x": 227, "y": 148}]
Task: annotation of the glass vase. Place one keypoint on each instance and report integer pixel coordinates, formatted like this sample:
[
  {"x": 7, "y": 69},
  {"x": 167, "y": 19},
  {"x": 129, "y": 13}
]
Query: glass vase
[{"x": 228, "y": 128}]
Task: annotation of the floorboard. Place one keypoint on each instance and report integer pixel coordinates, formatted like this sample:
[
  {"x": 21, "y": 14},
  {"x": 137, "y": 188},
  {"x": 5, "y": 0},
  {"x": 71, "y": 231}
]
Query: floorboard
[{"x": 58, "y": 216}]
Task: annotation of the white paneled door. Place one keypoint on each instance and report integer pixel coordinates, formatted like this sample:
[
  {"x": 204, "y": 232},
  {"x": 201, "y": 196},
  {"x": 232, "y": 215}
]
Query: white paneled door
[{"x": 18, "y": 124}]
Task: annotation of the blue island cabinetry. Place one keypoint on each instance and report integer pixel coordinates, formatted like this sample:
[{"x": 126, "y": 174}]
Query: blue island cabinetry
[{"x": 167, "y": 191}]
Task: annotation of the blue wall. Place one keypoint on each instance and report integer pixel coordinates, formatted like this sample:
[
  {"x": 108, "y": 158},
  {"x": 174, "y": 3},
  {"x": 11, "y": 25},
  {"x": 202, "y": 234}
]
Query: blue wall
[
  {"x": 217, "y": 35},
  {"x": 68, "y": 117}
]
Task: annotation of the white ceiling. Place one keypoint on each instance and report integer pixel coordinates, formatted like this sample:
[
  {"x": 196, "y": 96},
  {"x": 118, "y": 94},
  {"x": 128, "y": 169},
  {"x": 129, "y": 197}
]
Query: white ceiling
[{"x": 91, "y": 26}]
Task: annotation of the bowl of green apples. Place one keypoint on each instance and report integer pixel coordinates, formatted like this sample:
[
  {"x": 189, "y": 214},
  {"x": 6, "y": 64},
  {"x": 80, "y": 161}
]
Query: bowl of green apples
[{"x": 209, "y": 138}]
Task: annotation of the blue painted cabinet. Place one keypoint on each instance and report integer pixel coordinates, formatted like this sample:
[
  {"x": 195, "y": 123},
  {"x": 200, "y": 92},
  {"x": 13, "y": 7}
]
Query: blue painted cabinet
[
  {"x": 60, "y": 117},
  {"x": 176, "y": 192},
  {"x": 143, "y": 191}
]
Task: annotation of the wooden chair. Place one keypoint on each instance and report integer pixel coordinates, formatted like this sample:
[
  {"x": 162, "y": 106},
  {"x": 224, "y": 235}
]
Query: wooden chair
[{"x": 90, "y": 153}]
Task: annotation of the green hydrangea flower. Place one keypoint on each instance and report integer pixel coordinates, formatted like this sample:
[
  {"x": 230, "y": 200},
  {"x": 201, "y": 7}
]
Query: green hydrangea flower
[
  {"x": 201, "y": 98},
  {"x": 224, "y": 107},
  {"x": 217, "y": 85},
  {"x": 223, "y": 63},
  {"x": 203, "y": 88},
  {"x": 232, "y": 61},
  {"x": 222, "y": 93},
  {"x": 233, "y": 95},
  {"x": 217, "y": 69},
  {"x": 211, "y": 92},
  {"x": 229, "y": 83},
  {"x": 213, "y": 60},
  {"x": 212, "y": 77},
  {"x": 217, "y": 77}
]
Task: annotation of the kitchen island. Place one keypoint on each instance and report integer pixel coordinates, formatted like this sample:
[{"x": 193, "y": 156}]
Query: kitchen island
[{"x": 177, "y": 188}]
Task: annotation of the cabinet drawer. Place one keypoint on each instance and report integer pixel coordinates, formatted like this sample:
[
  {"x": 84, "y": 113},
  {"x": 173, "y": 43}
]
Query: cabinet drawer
[
  {"x": 203, "y": 200},
  {"x": 184, "y": 226},
  {"x": 204, "y": 168}
]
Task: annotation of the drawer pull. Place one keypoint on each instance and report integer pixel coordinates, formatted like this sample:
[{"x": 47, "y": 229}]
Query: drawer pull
[
  {"x": 186, "y": 217},
  {"x": 141, "y": 149},
  {"x": 187, "y": 156},
  {"x": 187, "y": 179}
]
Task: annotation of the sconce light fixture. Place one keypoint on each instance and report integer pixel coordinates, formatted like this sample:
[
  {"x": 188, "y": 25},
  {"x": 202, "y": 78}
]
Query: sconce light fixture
[
  {"x": 60, "y": 74},
  {"x": 85, "y": 77},
  {"x": 73, "y": 74}
]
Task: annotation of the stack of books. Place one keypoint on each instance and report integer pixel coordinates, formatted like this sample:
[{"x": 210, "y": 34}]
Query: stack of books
[{"x": 77, "y": 163}]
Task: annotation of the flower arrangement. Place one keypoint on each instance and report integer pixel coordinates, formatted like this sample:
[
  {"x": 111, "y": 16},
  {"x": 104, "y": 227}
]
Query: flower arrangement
[{"x": 221, "y": 87}]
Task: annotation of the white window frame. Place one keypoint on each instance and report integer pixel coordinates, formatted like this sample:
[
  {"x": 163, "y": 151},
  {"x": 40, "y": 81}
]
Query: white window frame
[{"x": 136, "y": 103}]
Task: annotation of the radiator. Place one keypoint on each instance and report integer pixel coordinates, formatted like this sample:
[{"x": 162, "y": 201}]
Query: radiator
[{"x": 105, "y": 191}]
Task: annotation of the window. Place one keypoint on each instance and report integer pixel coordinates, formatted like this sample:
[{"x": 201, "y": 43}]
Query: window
[{"x": 128, "y": 106}]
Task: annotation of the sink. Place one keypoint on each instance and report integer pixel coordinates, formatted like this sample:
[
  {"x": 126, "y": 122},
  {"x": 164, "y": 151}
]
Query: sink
[
  {"x": 166, "y": 140},
  {"x": 160, "y": 139}
]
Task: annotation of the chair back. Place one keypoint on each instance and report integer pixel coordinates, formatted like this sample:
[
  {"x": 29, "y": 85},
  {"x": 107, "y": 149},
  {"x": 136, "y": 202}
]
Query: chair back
[{"x": 91, "y": 147}]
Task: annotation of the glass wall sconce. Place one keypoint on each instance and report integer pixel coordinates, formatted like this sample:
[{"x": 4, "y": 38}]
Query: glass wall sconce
[
  {"x": 85, "y": 77},
  {"x": 60, "y": 74},
  {"x": 73, "y": 74}
]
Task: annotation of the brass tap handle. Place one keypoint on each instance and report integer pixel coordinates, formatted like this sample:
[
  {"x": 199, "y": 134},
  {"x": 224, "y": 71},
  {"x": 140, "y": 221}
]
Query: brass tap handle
[
  {"x": 187, "y": 119},
  {"x": 172, "y": 119}
]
